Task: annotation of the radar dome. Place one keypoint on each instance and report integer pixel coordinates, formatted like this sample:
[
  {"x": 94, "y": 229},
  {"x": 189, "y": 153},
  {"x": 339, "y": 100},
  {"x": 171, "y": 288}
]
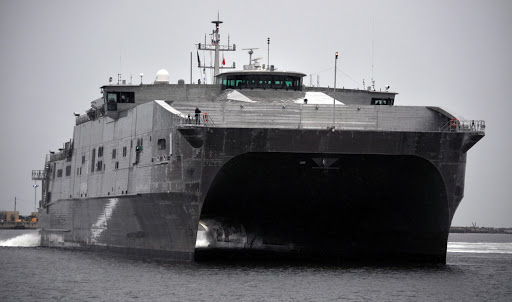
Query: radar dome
[{"x": 162, "y": 76}]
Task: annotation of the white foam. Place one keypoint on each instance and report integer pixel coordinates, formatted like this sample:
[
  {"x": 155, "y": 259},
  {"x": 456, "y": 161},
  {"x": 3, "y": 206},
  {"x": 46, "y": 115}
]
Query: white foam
[
  {"x": 25, "y": 240},
  {"x": 480, "y": 247},
  {"x": 201, "y": 240},
  {"x": 103, "y": 218}
]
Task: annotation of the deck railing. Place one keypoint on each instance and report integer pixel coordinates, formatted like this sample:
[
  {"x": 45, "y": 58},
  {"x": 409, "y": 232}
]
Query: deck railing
[
  {"x": 456, "y": 125},
  {"x": 204, "y": 119},
  {"x": 291, "y": 116}
]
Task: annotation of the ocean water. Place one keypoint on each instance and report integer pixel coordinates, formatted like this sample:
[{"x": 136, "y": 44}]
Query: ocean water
[{"x": 479, "y": 268}]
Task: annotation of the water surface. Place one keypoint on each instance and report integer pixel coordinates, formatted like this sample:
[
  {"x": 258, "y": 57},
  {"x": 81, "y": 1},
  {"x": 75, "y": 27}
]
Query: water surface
[{"x": 479, "y": 267}]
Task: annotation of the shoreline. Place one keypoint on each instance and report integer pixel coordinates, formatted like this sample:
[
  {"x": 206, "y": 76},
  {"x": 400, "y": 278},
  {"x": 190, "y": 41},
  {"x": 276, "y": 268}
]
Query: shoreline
[
  {"x": 480, "y": 230},
  {"x": 18, "y": 225}
]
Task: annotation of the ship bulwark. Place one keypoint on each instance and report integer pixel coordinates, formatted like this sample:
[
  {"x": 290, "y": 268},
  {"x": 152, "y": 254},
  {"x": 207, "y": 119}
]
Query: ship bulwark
[{"x": 337, "y": 205}]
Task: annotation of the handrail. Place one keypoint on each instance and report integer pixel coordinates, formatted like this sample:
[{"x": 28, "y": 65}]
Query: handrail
[
  {"x": 208, "y": 120},
  {"x": 455, "y": 125},
  {"x": 205, "y": 119},
  {"x": 315, "y": 117}
]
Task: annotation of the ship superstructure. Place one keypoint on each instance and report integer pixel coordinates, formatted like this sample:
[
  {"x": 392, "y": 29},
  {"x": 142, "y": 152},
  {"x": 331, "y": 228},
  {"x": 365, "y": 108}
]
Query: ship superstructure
[{"x": 263, "y": 166}]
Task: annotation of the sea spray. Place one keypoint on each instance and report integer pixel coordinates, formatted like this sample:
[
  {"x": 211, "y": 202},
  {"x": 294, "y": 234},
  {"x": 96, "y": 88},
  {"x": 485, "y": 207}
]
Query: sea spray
[
  {"x": 212, "y": 233},
  {"x": 25, "y": 240},
  {"x": 201, "y": 240}
]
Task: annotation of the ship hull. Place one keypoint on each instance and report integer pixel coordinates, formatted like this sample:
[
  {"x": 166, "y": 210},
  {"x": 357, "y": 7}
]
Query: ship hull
[
  {"x": 365, "y": 195},
  {"x": 148, "y": 225}
]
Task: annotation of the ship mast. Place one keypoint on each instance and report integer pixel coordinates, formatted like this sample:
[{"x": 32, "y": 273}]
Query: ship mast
[
  {"x": 215, "y": 46},
  {"x": 216, "y": 39}
]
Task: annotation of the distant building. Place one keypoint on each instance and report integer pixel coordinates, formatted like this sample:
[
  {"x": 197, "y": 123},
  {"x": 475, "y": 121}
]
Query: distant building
[{"x": 9, "y": 216}]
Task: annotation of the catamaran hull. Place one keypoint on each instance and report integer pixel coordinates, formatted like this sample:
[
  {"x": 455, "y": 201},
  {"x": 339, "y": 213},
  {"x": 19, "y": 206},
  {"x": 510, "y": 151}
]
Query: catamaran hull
[{"x": 343, "y": 194}]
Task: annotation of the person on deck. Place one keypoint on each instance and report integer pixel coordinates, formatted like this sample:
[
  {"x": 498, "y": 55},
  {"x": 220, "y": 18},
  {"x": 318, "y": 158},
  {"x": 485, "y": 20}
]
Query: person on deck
[{"x": 198, "y": 112}]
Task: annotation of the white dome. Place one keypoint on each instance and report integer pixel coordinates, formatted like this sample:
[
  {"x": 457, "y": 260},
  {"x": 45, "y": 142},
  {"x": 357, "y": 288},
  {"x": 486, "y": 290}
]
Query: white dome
[{"x": 162, "y": 76}]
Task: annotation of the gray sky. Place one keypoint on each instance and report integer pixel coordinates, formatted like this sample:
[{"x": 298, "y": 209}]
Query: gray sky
[{"x": 55, "y": 55}]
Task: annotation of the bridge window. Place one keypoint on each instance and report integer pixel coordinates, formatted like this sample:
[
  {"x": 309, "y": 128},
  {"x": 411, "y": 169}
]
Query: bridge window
[
  {"x": 382, "y": 101},
  {"x": 121, "y": 97},
  {"x": 261, "y": 81}
]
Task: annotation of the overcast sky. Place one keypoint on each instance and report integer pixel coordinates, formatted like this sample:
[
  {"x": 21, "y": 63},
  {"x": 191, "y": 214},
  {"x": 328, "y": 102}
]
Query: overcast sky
[{"x": 55, "y": 55}]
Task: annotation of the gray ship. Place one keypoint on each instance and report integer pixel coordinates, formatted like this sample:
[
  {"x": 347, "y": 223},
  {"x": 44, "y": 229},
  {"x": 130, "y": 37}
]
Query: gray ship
[{"x": 267, "y": 165}]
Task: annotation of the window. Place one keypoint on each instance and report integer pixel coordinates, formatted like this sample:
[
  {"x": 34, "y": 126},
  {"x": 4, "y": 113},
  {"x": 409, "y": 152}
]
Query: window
[
  {"x": 161, "y": 144},
  {"x": 262, "y": 81},
  {"x": 111, "y": 97},
  {"x": 59, "y": 173},
  {"x": 68, "y": 170},
  {"x": 121, "y": 97},
  {"x": 100, "y": 151},
  {"x": 114, "y": 154},
  {"x": 124, "y": 151},
  {"x": 127, "y": 97},
  {"x": 93, "y": 159},
  {"x": 99, "y": 165},
  {"x": 377, "y": 101},
  {"x": 77, "y": 171},
  {"x": 83, "y": 159},
  {"x": 117, "y": 165}
]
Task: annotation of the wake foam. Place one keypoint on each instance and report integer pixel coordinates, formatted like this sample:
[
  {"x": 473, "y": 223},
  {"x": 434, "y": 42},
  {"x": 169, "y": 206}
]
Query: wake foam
[
  {"x": 25, "y": 240},
  {"x": 480, "y": 247},
  {"x": 201, "y": 240}
]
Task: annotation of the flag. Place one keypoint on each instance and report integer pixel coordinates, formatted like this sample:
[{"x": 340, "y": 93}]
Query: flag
[
  {"x": 198, "y": 60},
  {"x": 223, "y": 60}
]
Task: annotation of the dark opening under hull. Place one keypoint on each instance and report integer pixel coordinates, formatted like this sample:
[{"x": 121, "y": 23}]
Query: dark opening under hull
[{"x": 341, "y": 206}]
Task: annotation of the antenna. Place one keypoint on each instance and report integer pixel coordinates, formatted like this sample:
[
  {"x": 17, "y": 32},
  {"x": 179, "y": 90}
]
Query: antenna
[
  {"x": 216, "y": 47},
  {"x": 250, "y": 52},
  {"x": 373, "y": 46},
  {"x": 268, "y": 52},
  {"x": 253, "y": 63},
  {"x": 334, "y": 96}
]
